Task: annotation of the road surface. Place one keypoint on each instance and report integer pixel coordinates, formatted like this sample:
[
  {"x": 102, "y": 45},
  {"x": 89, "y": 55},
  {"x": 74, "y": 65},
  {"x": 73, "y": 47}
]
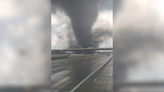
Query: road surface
[{"x": 68, "y": 73}]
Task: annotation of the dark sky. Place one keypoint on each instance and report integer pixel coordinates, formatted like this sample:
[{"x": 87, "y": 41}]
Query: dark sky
[{"x": 83, "y": 14}]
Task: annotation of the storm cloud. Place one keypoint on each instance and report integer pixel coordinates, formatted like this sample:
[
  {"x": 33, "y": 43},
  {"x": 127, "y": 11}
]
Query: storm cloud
[{"x": 83, "y": 14}]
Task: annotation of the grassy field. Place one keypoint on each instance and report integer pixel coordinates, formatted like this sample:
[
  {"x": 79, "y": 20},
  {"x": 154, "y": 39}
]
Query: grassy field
[{"x": 58, "y": 58}]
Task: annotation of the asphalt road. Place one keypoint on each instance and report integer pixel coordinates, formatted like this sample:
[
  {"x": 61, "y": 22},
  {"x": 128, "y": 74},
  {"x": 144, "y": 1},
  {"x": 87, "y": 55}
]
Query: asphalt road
[{"x": 68, "y": 73}]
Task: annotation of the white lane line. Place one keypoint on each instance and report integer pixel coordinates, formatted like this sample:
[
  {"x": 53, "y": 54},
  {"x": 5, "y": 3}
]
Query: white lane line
[
  {"x": 95, "y": 79},
  {"x": 84, "y": 62},
  {"x": 65, "y": 84},
  {"x": 62, "y": 72},
  {"x": 78, "y": 85},
  {"x": 69, "y": 67},
  {"x": 55, "y": 91},
  {"x": 58, "y": 67}
]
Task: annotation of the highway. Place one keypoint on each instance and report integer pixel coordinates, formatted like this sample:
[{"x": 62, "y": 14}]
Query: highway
[{"x": 83, "y": 74}]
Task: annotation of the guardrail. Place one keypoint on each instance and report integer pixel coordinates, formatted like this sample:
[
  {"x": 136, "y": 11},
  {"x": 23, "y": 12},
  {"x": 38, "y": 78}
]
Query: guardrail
[
  {"x": 84, "y": 49},
  {"x": 80, "y": 55},
  {"x": 59, "y": 55}
]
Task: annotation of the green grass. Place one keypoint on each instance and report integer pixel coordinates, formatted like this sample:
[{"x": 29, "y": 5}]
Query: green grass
[{"x": 58, "y": 58}]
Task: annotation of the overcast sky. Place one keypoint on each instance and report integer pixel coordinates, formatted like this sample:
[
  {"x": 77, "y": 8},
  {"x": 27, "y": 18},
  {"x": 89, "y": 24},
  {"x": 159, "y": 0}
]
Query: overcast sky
[{"x": 63, "y": 32}]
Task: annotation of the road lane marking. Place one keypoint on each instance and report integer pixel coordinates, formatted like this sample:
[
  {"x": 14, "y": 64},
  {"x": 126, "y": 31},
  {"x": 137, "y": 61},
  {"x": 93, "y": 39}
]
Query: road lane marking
[
  {"x": 58, "y": 67},
  {"x": 78, "y": 85},
  {"x": 62, "y": 73},
  {"x": 55, "y": 91},
  {"x": 65, "y": 84},
  {"x": 95, "y": 79},
  {"x": 69, "y": 67},
  {"x": 84, "y": 62}
]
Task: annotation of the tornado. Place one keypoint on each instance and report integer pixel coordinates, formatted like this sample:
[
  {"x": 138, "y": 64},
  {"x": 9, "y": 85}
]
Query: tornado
[{"x": 83, "y": 14}]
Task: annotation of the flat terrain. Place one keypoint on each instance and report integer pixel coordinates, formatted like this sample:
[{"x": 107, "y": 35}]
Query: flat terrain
[{"x": 68, "y": 73}]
